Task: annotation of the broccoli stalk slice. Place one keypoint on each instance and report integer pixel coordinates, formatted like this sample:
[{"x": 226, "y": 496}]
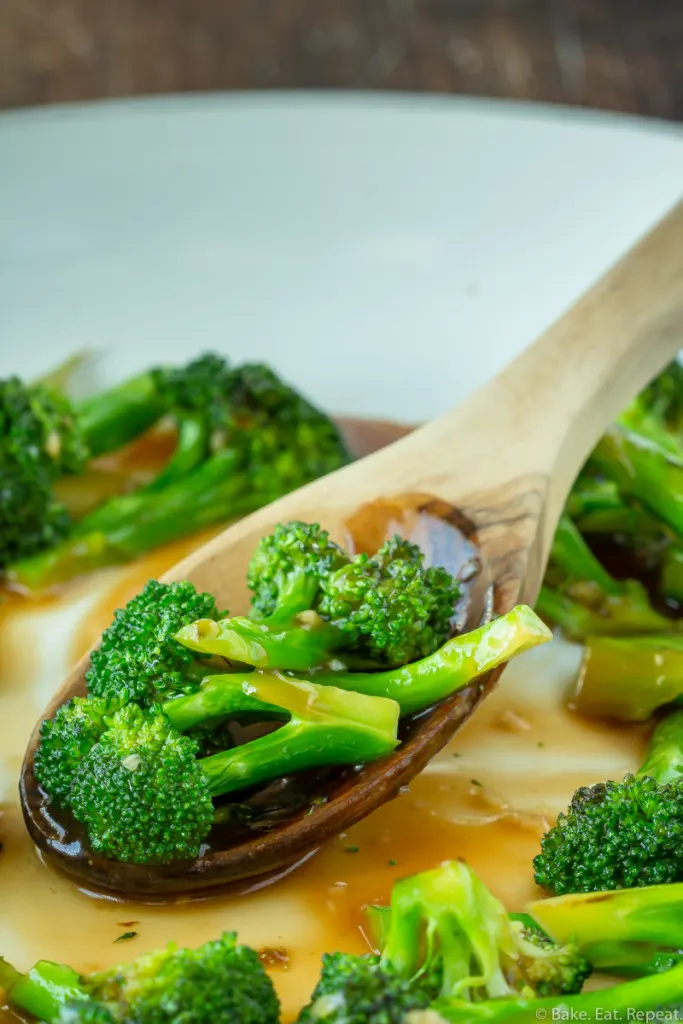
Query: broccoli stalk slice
[
  {"x": 617, "y": 1003},
  {"x": 589, "y": 600},
  {"x": 633, "y": 929},
  {"x": 457, "y": 663},
  {"x": 295, "y": 649},
  {"x": 627, "y": 615},
  {"x": 219, "y": 697},
  {"x": 571, "y": 553},
  {"x": 327, "y": 726},
  {"x": 645, "y": 472},
  {"x": 113, "y": 418},
  {"x": 628, "y": 678},
  {"x": 129, "y": 526},
  {"x": 43, "y": 991},
  {"x": 664, "y": 760}
]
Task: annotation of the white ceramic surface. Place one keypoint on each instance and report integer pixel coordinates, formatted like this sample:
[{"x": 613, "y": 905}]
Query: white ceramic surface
[{"x": 388, "y": 253}]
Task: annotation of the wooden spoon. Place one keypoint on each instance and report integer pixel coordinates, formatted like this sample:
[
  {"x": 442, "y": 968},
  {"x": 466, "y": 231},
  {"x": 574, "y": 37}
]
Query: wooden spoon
[{"x": 503, "y": 461}]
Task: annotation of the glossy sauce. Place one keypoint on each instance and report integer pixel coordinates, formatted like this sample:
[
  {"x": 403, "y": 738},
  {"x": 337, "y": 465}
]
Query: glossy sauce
[{"x": 486, "y": 798}]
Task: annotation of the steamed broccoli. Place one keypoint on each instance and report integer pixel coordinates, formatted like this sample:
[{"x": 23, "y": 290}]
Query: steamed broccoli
[
  {"x": 138, "y": 654},
  {"x": 245, "y": 438},
  {"x": 286, "y": 571},
  {"x": 382, "y": 611},
  {"x": 40, "y": 441},
  {"x": 629, "y": 678},
  {"x": 448, "y": 937},
  {"x": 630, "y": 932},
  {"x": 144, "y": 796},
  {"x": 654, "y": 998},
  {"x": 220, "y": 982},
  {"x": 622, "y": 835},
  {"x": 584, "y": 599}
]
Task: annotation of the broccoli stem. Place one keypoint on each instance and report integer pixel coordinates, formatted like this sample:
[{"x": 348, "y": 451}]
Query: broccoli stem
[
  {"x": 624, "y": 928},
  {"x": 571, "y": 554},
  {"x": 618, "y": 1003},
  {"x": 190, "y": 452},
  {"x": 627, "y": 679},
  {"x": 664, "y": 760},
  {"x": 630, "y": 613},
  {"x": 128, "y": 526},
  {"x": 220, "y": 696},
  {"x": 596, "y": 506},
  {"x": 453, "y": 666},
  {"x": 43, "y": 991},
  {"x": 112, "y": 418},
  {"x": 327, "y": 726},
  {"x": 645, "y": 472},
  {"x": 295, "y": 649}
]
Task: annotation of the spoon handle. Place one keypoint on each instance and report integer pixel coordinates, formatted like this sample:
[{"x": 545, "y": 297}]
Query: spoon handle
[{"x": 541, "y": 416}]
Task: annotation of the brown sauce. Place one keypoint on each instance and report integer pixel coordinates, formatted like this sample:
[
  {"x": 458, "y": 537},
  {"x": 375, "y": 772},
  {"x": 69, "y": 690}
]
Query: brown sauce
[{"x": 487, "y": 798}]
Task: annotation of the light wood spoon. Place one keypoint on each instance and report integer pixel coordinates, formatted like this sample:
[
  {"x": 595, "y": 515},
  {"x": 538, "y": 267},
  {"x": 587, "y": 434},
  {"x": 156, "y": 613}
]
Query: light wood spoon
[{"x": 503, "y": 461}]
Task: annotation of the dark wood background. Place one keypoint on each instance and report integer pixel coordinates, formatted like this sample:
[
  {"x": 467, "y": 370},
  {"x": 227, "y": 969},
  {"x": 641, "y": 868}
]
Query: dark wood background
[{"x": 615, "y": 54}]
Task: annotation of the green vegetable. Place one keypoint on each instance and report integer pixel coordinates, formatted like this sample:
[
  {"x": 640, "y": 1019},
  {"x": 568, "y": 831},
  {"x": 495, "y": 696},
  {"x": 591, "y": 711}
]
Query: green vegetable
[
  {"x": 628, "y": 931},
  {"x": 386, "y": 610},
  {"x": 654, "y": 995},
  {"x": 448, "y": 937},
  {"x": 622, "y": 835},
  {"x": 245, "y": 438},
  {"x": 586, "y": 600},
  {"x": 220, "y": 982},
  {"x": 137, "y": 785},
  {"x": 138, "y": 655},
  {"x": 629, "y": 678},
  {"x": 453, "y": 666}
]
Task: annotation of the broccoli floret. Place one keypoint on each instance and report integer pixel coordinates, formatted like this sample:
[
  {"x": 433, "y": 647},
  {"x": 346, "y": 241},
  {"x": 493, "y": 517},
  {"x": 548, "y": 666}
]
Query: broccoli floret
[
  {"x": 138, "y": 653},
  {"x": 622, "y": 835},
  {"x": 361, "y": 990},
  {"x": 40, "y": 441},
  {"x": 244, "y": 439},
  {"x": 68, "y": 737},
  {"x": 144, "y": 796},
  {"x": 141, "y": 792},
  {"x": 220, "y": 982},
  {"x": 447, "y": 938},
  {"x": 390, "y": 608},
  {"x": 381, "y": 611},
  {"x": 286, "y": 570}
]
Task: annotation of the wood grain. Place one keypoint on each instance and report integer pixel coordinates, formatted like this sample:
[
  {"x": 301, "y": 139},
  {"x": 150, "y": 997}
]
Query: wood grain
[
  {"x": 501, "y": 463},
  {"x": 613, "y": 54}
]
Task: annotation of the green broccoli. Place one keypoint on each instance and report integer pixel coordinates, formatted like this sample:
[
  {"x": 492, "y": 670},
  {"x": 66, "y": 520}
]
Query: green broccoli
[
  {"x": 286, "y": 570},
  {"x": 580, "y": 595},
  {"x": 138, "y": 654},
  {"x": 382, "y": 611},
  {"x": 622, "y": 835},
  {"x": 460, "y": 661},
  {"x": 415, "y": 686},
  {"x": 448, "y": 937},
  {"x": 40, "y": 441},
  {"x": 629, "y": 678},
  {"x": 245, "y": 438},
  {"x": 220, "y": 982},
  {"x": 632, "y": 932},
  {"x": 143, "y": 794},
  {"x": 653, "y": 998}
]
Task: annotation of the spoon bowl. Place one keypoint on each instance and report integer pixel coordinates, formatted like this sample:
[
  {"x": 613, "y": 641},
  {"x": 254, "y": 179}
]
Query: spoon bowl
[{"x": 497, "y": 469}]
